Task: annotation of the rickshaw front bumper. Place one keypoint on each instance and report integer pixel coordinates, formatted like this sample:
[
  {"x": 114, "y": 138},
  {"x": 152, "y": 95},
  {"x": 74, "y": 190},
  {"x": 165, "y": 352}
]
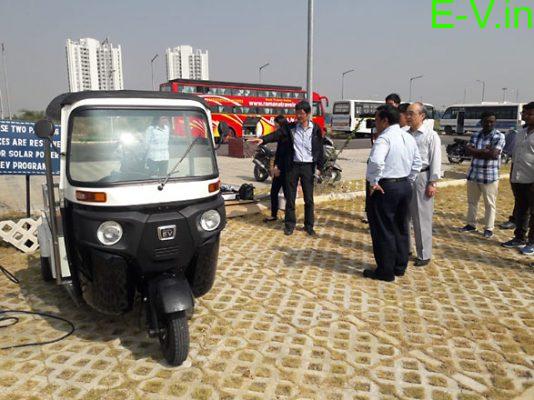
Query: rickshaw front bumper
[{"x": 154, "y": 239}]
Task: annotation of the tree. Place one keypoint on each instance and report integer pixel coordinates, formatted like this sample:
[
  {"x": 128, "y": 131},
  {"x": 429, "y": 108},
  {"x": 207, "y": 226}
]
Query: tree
[{"x": 29, "y": 115}]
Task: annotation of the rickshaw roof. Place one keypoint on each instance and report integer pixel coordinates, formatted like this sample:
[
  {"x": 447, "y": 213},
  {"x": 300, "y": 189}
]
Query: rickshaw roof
[{"x": 54, "y": 108}]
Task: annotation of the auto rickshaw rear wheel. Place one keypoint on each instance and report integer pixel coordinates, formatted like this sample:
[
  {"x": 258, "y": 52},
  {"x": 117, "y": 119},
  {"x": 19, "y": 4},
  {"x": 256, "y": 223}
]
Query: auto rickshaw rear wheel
[
  {"x": 46, "y": 272},
  {"x": 174, "y": 337}
]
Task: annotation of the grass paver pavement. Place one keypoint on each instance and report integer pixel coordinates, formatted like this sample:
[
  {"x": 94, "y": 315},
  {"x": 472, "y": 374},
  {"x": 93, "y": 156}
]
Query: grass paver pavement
[{"x": 292, "y": 318}]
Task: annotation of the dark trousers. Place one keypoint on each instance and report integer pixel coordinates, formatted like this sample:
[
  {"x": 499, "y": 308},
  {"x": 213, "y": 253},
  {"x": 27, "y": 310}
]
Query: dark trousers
[
  {"x": 304, "y": 173},
  {"x": 512, "y": 218},
  {"x": 278, "y": 182},
  {"x": 524, "y": 208},
  {"x": 157, "y": 168},
  {"x": 388, "y": 221},
  {"x": 367, "y": 190}
]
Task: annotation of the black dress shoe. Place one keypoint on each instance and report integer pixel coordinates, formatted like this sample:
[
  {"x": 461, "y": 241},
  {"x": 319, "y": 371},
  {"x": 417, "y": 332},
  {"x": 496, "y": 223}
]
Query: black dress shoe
[
  {"x": 270, "y": 219},
  {"x": 288, "y": 231},
  {"x": 421, "y": 263},
  {"x": 369, "y": 273},
  {"x": 310, "y": 231},
  {"x": 399, "y": 272}
]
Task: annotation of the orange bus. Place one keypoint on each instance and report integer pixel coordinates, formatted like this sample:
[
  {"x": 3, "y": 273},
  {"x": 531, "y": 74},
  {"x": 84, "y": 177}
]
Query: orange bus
[{"x": 235, "y": 102}]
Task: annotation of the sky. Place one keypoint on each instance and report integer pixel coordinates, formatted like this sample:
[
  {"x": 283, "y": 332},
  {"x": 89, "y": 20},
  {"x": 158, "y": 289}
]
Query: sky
[{"x": 385, "y": 41}]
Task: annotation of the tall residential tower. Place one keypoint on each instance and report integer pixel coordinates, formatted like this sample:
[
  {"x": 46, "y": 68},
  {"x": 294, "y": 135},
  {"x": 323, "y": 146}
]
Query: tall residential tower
[
  {"x": 94, "y": 65},
  {"x": 187, "y": 63}
]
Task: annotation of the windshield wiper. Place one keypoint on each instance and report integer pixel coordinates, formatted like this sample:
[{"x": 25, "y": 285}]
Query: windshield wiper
[{"x": 173, "y": 170}]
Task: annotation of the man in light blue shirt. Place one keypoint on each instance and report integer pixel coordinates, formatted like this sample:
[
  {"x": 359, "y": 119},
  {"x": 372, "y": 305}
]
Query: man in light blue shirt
[
  {"x": 393, "y": 165},
  {"x": 157, "y": 141},
  {"x": 302, "y": 142}
]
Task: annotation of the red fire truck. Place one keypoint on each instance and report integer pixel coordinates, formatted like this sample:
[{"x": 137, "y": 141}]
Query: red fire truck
[{"x": 235, "y": 102}]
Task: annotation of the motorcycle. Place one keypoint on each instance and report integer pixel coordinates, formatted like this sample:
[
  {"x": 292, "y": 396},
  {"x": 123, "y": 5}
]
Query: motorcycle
[
  {"x": 331, "y": 170},
  {"x": 263, "y": 159},
  {"x": 506, "y": 158},
  {"x": 457, "y": 151}
]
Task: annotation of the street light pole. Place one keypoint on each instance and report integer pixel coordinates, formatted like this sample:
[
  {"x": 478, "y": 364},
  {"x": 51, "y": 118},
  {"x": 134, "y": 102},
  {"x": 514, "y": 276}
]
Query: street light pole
[
  {"x": 504, "y": 94},
  {"x": 259, "y": 69},
  {"x": 343, "y": 81},
  {"x": 5, "y": 79},
  {"x": 152, "y": 71},
  {"x": 309, "y": 80},
  {"x": 483, "y": 88},
  {"x": 411, "y": 81}
]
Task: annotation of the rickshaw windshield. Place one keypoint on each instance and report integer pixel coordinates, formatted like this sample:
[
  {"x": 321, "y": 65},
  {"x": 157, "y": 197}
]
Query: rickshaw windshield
[{"x": 110, "y": 146}]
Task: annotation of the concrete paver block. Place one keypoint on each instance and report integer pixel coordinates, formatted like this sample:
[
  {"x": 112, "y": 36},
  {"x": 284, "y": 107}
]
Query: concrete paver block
[{"x": 292, "y": 318}]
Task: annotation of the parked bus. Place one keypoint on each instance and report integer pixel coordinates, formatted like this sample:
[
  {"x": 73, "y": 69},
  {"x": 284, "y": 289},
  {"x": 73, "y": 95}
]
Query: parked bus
[
  {"x": 465, "y": 118},
  {"x": 234, "y": 102},
  {"x": 347, "y": 114}
]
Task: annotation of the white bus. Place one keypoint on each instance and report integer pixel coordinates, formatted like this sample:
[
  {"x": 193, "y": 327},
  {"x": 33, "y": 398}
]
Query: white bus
[
  {"x": 465, "y": 118},
  {"x": 347, "y": 114}
]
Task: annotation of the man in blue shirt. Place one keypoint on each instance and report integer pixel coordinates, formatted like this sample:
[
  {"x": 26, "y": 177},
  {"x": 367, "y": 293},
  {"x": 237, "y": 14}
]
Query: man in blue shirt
[
  {"x": 157, "y": 142},
  {"x": 483, "y": 175},
  {"x": 393, "y": 165},
  {"x": 302, "y": 144}
]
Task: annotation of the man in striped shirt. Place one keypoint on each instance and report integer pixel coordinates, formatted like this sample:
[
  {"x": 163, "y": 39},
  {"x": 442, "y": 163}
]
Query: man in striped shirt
[{"x": 483, "y": 176}]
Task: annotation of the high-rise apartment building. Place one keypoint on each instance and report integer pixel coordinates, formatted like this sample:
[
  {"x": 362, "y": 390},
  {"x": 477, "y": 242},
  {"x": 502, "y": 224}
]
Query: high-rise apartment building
[
  {"x": 187, "y": 63},
  {"x": 94, "y": 65}
]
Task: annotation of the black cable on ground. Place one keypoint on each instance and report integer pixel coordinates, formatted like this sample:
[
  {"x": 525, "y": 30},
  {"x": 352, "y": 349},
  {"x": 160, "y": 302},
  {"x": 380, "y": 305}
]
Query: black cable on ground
[
  {"x": 14, "y": 320},
  {"x": 9, "y": 275}
]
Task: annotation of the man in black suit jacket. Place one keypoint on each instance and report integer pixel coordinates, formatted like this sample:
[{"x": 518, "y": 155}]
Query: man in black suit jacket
[{"x": 302, "y": 147}]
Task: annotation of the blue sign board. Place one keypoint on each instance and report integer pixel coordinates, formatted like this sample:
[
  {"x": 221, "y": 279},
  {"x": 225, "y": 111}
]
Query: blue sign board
[{"x": 22, "y": 151}]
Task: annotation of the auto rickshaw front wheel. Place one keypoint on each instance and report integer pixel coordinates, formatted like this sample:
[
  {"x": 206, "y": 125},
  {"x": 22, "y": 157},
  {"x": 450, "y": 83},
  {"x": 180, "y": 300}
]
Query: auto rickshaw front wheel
[{"x": 174, "y": 337}]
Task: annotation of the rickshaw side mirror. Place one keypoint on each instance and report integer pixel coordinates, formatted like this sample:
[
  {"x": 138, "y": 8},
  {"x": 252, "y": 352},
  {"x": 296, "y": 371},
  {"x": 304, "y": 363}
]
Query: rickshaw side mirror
[{"x": 44, "y": 129}]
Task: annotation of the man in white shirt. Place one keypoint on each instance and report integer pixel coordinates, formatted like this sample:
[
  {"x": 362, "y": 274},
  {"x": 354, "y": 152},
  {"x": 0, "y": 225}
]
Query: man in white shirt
[
  {"x": 403, "y": 117},
  {"x": 259, "y": 128},
  {"x": 157, "y": 141},
  {"x": 424, "y": 190},
  {"x": 393, "y": 165},
  {"x": 522, "y": 178}
]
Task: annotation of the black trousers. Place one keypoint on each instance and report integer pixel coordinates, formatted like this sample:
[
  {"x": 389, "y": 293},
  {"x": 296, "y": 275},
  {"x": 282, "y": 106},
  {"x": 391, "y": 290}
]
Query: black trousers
[
  {"x": 367, "y": 191},
  {"x": 302, "y": 172},
  {"x": 157, "y": 168},
  {"x": 524, "y": 211},
  {"x": 277, "y": 183},
  {"x": 388, "y": 221},
  {"x": 512, "y": 217}
]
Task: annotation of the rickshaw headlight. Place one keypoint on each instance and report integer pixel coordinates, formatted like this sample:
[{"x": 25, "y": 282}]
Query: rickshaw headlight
[
  {"x": 109, "y": 233},
  {"x": 210, "y": 220}
]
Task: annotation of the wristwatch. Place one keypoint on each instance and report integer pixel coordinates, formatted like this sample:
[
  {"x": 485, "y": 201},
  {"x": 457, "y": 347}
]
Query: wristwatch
[{"x": 433, "y": 184}]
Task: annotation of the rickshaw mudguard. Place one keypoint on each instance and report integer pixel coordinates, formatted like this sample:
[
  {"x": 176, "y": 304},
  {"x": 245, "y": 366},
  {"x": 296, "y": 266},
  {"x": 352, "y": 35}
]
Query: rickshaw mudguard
[
  {"x": 201, "y": 273},
  {"x": 173, "y": 295}
]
